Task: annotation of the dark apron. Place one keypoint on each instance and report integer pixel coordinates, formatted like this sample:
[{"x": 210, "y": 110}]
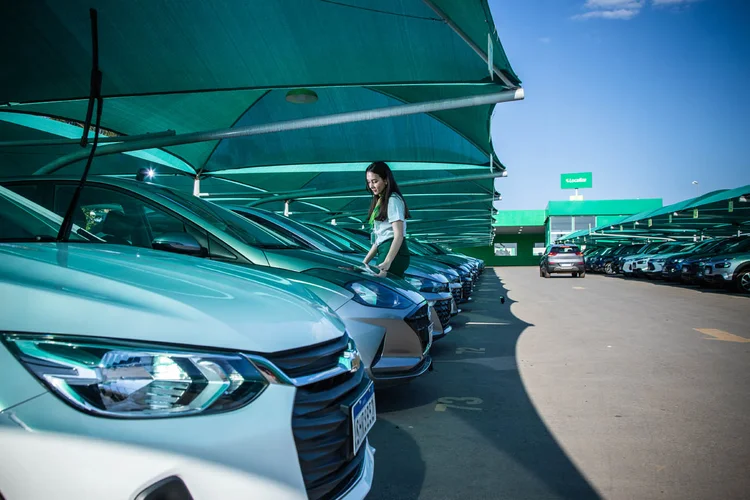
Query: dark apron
[{"x": 400, "y": 262}]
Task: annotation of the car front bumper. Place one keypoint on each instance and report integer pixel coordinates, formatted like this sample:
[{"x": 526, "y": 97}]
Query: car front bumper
[
  {"x": 390, "y": 346},
  {"x": 257, "y": 439}
]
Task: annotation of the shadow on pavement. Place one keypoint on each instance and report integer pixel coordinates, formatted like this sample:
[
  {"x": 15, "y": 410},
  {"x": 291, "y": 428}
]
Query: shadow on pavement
[
  {"x": 473, "y": 431},
  {"x": 687, "y": 286}
]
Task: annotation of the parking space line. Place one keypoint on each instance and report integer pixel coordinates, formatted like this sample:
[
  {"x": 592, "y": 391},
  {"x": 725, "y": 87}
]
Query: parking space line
[{"x": 721, "y": 335}]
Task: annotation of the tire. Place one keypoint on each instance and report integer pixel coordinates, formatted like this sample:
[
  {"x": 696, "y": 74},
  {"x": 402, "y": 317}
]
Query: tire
[
  {"x": 582, "y": 275},
  {"x": 541, "y": 273},
  {"x": 742, "y": 281},
  {"x": 546, "y": 273},
  {"x": 607, "y": 269}
]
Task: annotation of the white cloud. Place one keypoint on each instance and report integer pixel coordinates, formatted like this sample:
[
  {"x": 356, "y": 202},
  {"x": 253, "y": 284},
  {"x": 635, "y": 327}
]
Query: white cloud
[
  {"x": 614, "y": 4},
  {"x": 623, "y": 14},
  {"x": 611, "y": 9},
  {"x": 673, "y": 2}
]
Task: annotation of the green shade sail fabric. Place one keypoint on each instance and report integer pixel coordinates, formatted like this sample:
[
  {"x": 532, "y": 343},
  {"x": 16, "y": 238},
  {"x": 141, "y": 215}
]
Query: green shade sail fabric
[
  {"x": 190, "y": 66},
  {"x": 194, "y": 65}
]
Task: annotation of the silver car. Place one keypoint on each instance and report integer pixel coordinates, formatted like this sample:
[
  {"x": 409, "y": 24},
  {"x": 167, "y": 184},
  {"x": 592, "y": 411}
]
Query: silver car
[
  {"x": 228, "y": 364},
  {"x": 389, "y": 319},
  {"x": 432, "y": 285}
]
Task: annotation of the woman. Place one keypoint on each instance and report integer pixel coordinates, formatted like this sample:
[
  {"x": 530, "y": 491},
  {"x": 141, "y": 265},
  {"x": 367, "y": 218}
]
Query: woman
[{"x": 387, "y": 216}]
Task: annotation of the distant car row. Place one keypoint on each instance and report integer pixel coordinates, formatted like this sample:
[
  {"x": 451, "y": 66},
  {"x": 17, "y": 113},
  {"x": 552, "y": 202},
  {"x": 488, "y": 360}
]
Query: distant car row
[
  {"x": 719, "y": 262},
  {"x": 162, "y": 306}
]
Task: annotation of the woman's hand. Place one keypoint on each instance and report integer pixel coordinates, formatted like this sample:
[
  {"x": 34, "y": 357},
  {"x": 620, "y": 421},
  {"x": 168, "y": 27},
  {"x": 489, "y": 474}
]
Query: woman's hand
[{"x": 384, "y": 267}]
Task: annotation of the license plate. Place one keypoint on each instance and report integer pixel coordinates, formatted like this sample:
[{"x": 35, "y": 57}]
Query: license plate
[
  {"x": 566, "y": 265},
  {"x": 363, "y": 417}
]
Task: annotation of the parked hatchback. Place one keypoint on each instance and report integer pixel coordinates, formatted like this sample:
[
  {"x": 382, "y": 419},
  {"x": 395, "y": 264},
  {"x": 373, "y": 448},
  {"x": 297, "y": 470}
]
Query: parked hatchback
[
  {"x": 562, "y": 259},
  {"x": 388, "y": 318},
  {"x": 223, "y": 363},
  {"x": 433, "y": 286}
]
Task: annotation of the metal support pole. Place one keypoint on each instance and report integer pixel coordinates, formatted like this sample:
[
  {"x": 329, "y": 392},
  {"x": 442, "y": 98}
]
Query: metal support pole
[
  {"x": 470, "y": 43},
  {"x": 423, "y": 207},
  {"x": 305, "y": 123},
  {"x": 313, "y": 193},
  {"x": 102, "y": 140}
]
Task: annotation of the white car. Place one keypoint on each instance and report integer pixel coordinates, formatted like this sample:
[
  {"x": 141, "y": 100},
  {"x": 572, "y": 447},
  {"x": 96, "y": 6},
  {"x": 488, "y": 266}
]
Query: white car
[
  {"x": 75, "y": 467},
  {"x": 212, "y": 361}
]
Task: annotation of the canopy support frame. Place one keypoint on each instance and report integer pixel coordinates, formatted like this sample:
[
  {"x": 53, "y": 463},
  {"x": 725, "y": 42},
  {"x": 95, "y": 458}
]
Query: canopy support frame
[{"x": 305, "y": 123}]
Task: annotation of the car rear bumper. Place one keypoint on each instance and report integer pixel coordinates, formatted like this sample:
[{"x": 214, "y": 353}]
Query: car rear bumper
[{"x": 560, "y": 268}]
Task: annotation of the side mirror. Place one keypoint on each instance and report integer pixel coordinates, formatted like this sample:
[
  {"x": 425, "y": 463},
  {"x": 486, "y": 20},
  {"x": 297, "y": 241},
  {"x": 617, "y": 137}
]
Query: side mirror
[{"x": 182, "y": 243}]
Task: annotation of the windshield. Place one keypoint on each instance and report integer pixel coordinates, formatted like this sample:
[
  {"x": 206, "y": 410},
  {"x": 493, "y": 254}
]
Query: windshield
[
  {"x": 340, "y": 237},
  {"x": 565, "y": 250},
  {"x": 742, "y": 245},
  {"x": 675, "y": 248},
  {"x": 22, "y": 220},
  {"x": 421, "y": 249},
  {"x": 293, "y": 226},
  {"x": 247, "y": 231}
]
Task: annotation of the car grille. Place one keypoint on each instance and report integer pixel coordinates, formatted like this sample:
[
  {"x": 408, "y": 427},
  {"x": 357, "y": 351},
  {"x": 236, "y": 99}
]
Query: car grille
[
  {"x": 456, "y": 292},
  {"x": 466, "y": 289},
  {"x": 443, "y": 309},
  {"x": 320, "y": 423},
  {"x": 310, "y": 360},
  {"x": 419, "y": 321}
]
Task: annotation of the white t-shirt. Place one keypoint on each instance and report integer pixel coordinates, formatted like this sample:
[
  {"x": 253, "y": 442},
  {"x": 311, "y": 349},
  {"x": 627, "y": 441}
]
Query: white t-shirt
[{"x": 383, "y": 230}]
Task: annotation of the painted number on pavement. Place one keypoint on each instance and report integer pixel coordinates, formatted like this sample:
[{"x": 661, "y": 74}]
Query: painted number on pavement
[
  {"x": 458, "y": 404},
  {"x": 469, "y": 350}
]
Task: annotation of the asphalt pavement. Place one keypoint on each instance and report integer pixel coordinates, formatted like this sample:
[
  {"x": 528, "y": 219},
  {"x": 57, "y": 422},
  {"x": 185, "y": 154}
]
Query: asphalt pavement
[{"x": 600, "y": 387}]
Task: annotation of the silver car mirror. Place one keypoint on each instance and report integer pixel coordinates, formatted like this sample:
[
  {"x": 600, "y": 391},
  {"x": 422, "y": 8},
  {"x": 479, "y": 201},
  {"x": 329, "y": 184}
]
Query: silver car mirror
[{"x": 182, "y": 243}]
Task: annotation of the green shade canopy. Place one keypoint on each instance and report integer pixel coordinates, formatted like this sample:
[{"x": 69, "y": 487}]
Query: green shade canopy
[
  {"x": 192, "y": 66},
  {"x": 716, "y": 214}
]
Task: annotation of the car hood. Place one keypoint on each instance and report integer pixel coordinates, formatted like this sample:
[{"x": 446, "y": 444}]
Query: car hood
[
  {"x": 416, "y": 268},
  {"x": 448, "y": 260},
  {"x": 740, "y": 256},
  {"x": 345, "y": 270},
  {"x": 665, "y": 256},
  {"x": 433, "y": 266},
  {"x": 130, "y": 293}
]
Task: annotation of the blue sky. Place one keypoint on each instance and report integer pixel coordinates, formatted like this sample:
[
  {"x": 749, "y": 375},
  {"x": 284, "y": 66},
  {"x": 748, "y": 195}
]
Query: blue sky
[{"x": 649, "y": 95}]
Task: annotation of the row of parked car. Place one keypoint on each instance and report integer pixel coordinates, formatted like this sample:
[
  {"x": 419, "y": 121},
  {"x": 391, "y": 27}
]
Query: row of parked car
[
  {"x": 229, "y": 334},
  {"x": 718, "y": 262}
]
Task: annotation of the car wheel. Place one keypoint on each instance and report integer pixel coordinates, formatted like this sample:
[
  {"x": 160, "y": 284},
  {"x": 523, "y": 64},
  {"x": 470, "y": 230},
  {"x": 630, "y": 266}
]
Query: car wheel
[
  {"x": 575, "y": 275},
  {"x": 582, "y": 275},
  {"x": 546, "y": 273},
  {"x": 742, "y": 282},
  {"x": 541, "y": 273},
  {"x": 608, "y": 268}
]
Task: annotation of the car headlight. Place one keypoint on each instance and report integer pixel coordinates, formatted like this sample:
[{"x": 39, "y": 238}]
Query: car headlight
[
  {"x": 125, "y": 379},
  {"x": 723, "y": 265},
  {"x": 374, "y": 294},
  {"x": 427, "y": 285}
]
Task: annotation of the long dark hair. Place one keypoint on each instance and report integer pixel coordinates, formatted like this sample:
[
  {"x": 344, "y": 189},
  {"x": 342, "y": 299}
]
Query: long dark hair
[{"x": 382, "y": 169}]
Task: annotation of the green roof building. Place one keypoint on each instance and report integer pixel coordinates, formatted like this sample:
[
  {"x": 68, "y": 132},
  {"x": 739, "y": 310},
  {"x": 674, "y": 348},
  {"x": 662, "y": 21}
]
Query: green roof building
[{"x": 522, "y": 235}]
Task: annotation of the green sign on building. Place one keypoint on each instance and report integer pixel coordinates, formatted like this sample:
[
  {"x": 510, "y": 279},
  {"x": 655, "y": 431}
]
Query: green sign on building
[{"x": 576, "y": 181}]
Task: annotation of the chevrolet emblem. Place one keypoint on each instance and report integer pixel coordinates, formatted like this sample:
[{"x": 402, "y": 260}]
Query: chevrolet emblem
[{"x": 350, "y": 360}]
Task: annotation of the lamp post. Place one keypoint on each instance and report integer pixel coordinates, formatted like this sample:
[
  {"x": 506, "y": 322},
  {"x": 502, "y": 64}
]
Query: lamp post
[{"x": 695, "y": 183}]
